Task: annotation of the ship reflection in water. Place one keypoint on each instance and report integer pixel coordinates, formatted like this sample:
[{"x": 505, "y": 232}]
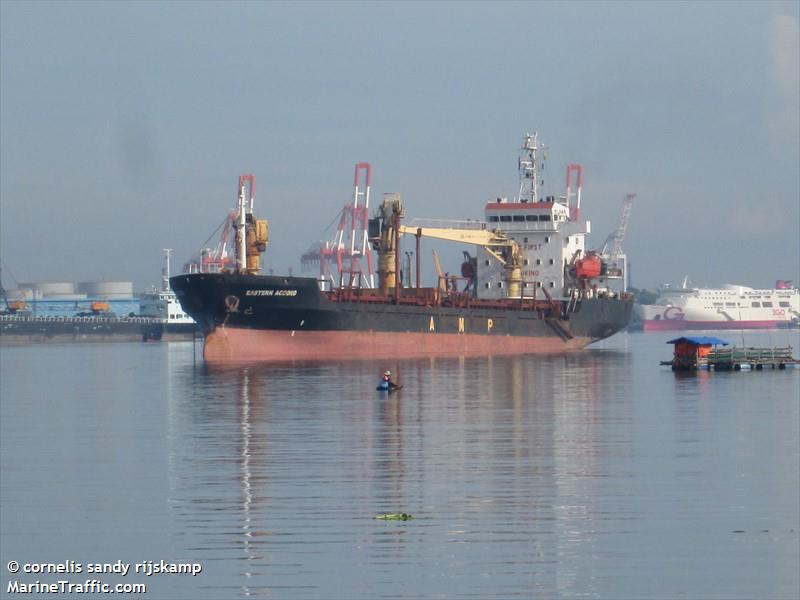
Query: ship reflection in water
[
  {"x": 297, "y": 467},
  {"x": 594, "y": 474},
  {"x": 524, "y": 476}
]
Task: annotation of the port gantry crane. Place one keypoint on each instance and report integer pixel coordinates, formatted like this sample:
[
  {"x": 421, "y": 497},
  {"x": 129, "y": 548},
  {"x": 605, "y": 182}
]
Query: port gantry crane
[
  {"x": 217, "y": 259},
  {"x": 350, "y": 246},
  {"x": 612, "y": 248}
]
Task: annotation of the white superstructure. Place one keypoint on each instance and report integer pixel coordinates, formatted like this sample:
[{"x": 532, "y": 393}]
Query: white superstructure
[
  {"x": 547, "y": 229},
  {"x": 728, "y": 307},
  {"x": 163, "y": 303}
]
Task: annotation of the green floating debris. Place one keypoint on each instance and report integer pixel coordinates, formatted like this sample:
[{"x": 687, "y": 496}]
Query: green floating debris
[{"x": 395, "y": 517}]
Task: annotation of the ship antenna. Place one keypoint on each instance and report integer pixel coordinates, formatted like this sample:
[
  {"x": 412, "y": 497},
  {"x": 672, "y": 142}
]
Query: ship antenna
[
  {"x": 165, "y": 271},
  {"x": 529, "y": 168},
  {"x": 240, "y": 226}
]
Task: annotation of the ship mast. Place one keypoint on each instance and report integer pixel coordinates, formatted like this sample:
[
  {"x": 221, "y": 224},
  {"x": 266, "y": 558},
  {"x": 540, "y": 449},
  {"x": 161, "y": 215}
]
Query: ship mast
[
  {"x": 241, "y": 224},
  {"x": 529, "y": 168},
  {"x": 165, "y": 270},
  {"x": 252, "y": 234}
]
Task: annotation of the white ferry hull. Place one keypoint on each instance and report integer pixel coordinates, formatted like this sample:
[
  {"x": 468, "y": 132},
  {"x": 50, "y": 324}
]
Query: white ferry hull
[{"x": 733, "y": 307}]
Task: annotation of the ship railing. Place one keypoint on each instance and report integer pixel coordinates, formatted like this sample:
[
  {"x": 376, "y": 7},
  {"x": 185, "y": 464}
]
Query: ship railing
[
  {"x": 76, "y": 319},
  {"x": 478, "y": 225},
  {"x": 451, "y": 298},
  {"x": 468, "y": 224}
]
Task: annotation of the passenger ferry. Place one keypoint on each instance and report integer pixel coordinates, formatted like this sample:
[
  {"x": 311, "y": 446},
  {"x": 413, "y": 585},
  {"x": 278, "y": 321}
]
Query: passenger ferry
[{"x": 729, "y": 307}]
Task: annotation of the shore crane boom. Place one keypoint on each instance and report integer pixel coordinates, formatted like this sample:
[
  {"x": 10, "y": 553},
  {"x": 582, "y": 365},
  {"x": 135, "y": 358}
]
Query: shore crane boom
[{"x": 612, "y": 248}]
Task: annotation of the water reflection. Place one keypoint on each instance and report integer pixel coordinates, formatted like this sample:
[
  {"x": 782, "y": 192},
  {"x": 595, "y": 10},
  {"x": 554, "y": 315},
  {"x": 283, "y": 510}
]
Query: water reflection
[
  {"x": 595, "y": 474},
  {"x": 285, "y": 466}
]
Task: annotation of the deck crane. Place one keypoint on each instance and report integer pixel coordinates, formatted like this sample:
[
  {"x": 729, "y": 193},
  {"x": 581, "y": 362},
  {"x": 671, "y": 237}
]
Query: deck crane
[
  {"x": 505, "y": 250},
  {"x": 250, "y": 238},
  {"x": 612, "y": 248}
]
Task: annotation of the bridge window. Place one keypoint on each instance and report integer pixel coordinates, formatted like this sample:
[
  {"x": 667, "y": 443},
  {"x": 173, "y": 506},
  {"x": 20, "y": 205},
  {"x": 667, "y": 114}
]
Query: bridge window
[
  {"x": 755, "y": 304},
  {"x": 531, "y": 217},
  {"x": 783, "y": 304},
  {"x": 766, "y": 304},
  {"x": 505, "y": 218},
  {"x": 544, "y": 217},
  {"x": 494, "y": 219},
  {"x": 518, "y": 218}
]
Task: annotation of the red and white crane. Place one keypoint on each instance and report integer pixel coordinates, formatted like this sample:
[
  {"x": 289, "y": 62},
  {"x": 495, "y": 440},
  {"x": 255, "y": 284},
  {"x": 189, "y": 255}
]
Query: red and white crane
[{"x": 342, "y": 260}]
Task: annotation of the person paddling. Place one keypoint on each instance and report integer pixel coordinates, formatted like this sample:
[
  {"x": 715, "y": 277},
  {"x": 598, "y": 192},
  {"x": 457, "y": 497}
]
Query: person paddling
[{"x": 386, "y": 384}]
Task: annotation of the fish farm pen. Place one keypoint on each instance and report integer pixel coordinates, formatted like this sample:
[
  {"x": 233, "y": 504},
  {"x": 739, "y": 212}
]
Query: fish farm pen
[
  {"x": 709, "y": 353},
  {"x": 736, "y": 359}
]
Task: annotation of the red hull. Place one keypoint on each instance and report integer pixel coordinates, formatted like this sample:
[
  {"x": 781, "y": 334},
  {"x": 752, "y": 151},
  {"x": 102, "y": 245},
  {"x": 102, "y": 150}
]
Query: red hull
[
  {"x": 681, "y": 325},
  {"x": 228, "y": 344}
]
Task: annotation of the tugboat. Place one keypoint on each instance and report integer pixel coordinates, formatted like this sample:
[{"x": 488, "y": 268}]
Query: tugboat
[
  {"x": 531, "y": 287},
  {"x": 163, "y": 305}
]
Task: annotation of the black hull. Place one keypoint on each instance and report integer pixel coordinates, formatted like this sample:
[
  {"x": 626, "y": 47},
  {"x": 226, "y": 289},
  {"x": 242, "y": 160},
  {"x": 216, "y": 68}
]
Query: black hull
[{"x": 295, "y": 305}]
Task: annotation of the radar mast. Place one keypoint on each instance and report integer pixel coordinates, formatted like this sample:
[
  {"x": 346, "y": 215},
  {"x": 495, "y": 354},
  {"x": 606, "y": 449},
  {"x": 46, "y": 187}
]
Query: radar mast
[{"x": 529, "y": 181}]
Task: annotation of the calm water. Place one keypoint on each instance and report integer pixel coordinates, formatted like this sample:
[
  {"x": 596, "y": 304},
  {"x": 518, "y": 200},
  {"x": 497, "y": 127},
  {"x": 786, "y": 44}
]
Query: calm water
[{"x": 598, "y": 475}]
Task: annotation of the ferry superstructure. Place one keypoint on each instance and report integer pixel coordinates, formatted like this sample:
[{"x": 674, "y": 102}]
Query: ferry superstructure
[{"x": 729, "y": 307}]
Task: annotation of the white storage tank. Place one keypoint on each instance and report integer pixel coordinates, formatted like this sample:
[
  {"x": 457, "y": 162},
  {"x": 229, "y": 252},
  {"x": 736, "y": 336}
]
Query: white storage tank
[
  {"x": 109, "y": 290},
  {"x": 50, "y": 290}
]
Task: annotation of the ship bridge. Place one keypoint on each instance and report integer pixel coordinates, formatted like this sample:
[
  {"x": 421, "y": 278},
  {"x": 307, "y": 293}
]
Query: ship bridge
[
  {"x": 547, "y": 237},
  {"x": 534, "y": 216}
]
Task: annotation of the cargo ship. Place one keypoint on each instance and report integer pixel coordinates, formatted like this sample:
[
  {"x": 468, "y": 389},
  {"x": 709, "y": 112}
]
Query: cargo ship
[
  {"x": 729, "y": 307},
  {"x": 531, "y": 286}
]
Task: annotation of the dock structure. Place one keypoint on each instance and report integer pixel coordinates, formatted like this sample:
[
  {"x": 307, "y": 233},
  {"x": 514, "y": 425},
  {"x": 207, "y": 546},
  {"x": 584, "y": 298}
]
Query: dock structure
[
  {"x": 699, "y": 352},
  {"x": 737, "y": 359}
]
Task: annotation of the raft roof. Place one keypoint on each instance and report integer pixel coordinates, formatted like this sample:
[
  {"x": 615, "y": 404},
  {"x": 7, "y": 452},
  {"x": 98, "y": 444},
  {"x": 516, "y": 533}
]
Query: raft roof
[{"x": 699, "y": 341}]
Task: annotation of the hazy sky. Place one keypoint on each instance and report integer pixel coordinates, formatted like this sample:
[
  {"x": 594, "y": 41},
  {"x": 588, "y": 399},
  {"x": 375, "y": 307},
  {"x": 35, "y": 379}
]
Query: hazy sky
[{"x": 124, "y": 127}]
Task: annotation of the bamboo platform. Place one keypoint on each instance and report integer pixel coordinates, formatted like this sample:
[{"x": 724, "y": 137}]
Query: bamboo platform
[{"x": 739, "y": 359}]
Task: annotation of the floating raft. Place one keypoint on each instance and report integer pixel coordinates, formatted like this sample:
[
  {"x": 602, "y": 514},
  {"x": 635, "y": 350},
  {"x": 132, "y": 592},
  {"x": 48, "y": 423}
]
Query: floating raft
[{"x": 695, "y": 353}]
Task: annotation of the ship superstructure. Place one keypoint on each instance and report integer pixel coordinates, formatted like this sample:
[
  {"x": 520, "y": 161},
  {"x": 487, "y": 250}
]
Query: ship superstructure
[{"x": 163, "y": 304}]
